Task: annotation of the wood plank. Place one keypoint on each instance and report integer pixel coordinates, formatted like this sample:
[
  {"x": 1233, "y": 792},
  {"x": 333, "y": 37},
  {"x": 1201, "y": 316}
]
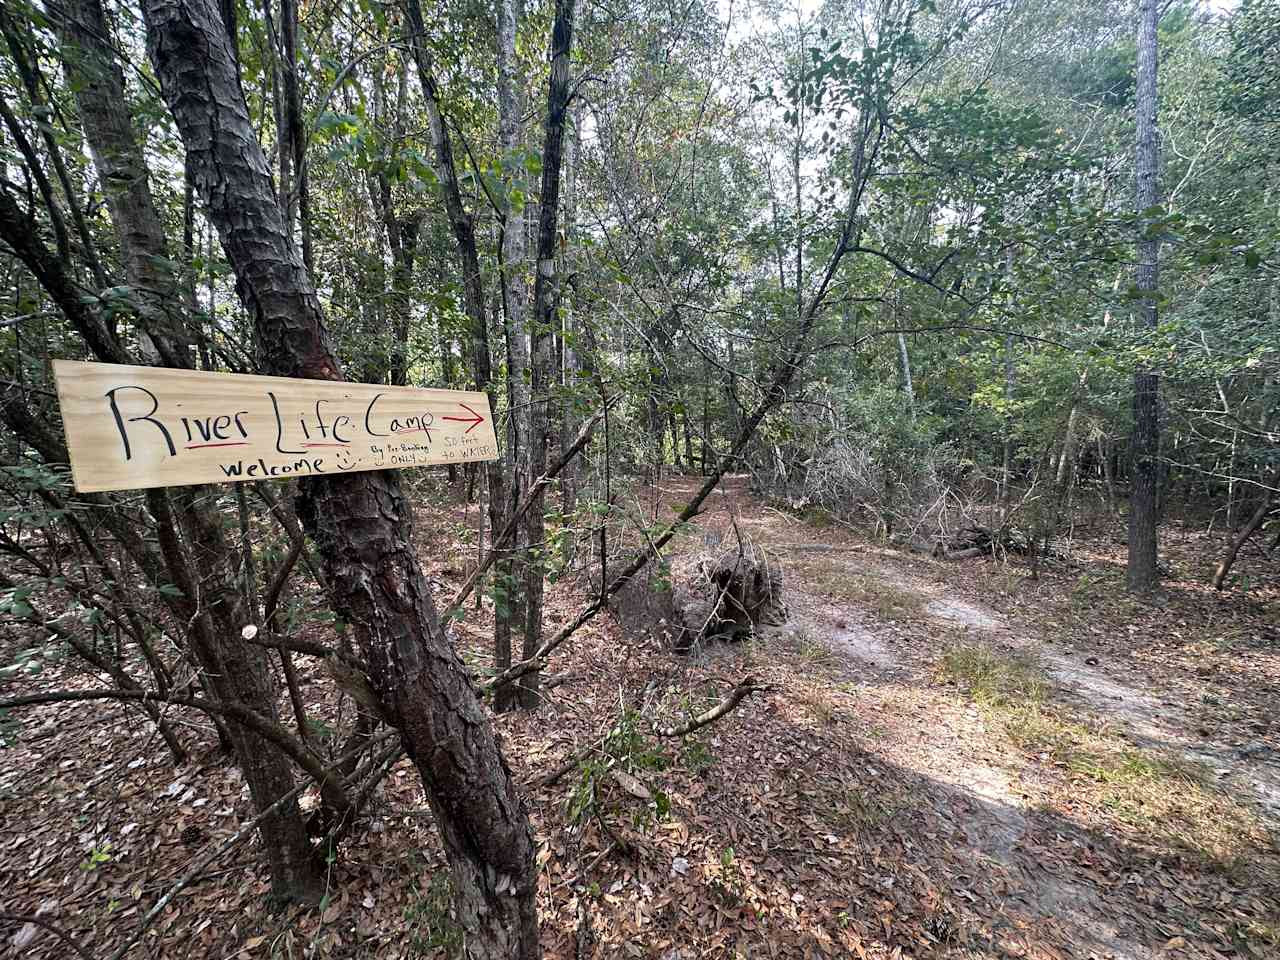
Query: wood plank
[{"x": 135, "y": 427}]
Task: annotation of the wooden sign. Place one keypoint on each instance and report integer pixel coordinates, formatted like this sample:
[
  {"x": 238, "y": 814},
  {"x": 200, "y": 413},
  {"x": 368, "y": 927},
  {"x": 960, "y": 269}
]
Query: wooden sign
[{"x": 133, "y": 427}]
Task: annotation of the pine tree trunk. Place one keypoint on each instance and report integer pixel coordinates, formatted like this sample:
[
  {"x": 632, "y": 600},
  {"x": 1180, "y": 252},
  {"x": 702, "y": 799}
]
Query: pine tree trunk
[
  {"x": 1145, "y": 444},
  {"x": 541, "y": 366},
  {"x": 234, "y": 670},
  {"x": 361, "y": 522}
]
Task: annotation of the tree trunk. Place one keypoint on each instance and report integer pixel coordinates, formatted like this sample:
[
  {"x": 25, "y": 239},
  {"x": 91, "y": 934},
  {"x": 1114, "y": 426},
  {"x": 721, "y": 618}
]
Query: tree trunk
[
  {"x": 299, "y": 199},
  {"x": 908, "y": 385},
  {"x": 1145, "y": 445},
  {"x": 235, "y": 670},
  {"x": 361, "y": 522},
  {"x": 1238, "y": 541},
  {"x": 1006, "y": 453},
  {"x": 514, "y": 291},
  {"x": 541, "y": 367},
  {"x": 463, "y": 229},
  {"x": 568, "y": 352},
  {"x": 1108, "y": 475},
  {"x": 99, "y": 88}
]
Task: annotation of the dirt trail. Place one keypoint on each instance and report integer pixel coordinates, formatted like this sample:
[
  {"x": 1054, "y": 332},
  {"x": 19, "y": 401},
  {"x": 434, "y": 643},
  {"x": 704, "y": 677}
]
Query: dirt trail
[
  {"x": 996, "y": 790},
  {"x": 1147, "y": 719},
  {"x": 954, "y": 749}
]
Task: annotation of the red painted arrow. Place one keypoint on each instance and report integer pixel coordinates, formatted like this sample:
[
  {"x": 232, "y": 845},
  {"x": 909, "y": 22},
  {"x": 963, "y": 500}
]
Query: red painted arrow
[{"x": 475, "y": 419}]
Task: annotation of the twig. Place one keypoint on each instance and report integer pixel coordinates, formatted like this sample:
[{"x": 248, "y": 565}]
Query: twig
[
  {"x": 56, "y": 931},
  {"x": 198, "y": 866},
  {"x": 500, "y": 539},
  {"x": 568, "y": 766}
]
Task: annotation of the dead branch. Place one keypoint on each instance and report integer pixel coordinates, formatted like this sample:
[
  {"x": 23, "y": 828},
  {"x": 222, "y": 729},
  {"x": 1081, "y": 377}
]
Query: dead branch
[
  {"x": 267, "y": 728},
  {"x": 725, "y": 706},
  {"x": 52, "y": 928},
  {"x": 500, "y": 540}
]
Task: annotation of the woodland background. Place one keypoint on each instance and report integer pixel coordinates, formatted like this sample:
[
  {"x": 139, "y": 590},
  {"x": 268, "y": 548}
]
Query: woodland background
[{"x": 985, "y": 280}]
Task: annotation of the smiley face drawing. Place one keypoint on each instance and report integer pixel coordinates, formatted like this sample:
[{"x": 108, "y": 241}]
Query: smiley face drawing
[{"x": 346, "y": 461}]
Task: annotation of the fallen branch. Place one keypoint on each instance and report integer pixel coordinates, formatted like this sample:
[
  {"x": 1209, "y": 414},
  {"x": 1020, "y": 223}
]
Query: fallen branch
[
  {"x": 568, "y": 766},
  {"x": 55, "y": 930},
  {"x": 269, "y": 729},
  {"x": 727, "y": 705}
]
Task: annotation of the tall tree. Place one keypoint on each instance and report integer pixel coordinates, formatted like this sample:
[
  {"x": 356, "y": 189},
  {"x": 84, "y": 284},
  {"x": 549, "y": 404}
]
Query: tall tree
[
  {"x": 545, "y": 297},
  {"x": 1145, "y": 442},
  {"x": 511, "y": 251}
]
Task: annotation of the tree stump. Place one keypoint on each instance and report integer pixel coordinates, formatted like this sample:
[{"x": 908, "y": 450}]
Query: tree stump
[
  {"x": 728, "y": 596},
  {"x": 720, "y": 596}
]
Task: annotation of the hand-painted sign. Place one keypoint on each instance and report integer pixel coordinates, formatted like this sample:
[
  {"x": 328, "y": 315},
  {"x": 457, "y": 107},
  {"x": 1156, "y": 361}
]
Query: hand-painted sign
[{"x": 132, "y": 427}]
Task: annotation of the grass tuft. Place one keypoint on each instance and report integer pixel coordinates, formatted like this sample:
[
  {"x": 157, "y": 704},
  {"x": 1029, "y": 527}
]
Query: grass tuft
[
  {"x": 889, "y": 601},
  {"x": 1166, "y": 799},
  {"x": 993, "y": 677}
]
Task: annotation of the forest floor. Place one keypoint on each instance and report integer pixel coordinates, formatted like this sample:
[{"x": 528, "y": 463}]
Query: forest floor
[{"x": 947, "y": 760}]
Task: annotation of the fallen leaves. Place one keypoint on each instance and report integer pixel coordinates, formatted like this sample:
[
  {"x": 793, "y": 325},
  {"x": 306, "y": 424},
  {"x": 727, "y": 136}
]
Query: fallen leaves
[{"x": 838, "y": 816}]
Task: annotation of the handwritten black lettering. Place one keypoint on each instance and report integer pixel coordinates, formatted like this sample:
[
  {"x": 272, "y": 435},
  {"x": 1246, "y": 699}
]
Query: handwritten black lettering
[
  {"x": 368, "y": 411},
  {"x": 120, "y": 421},
  {"x": 275, "y": 406}
]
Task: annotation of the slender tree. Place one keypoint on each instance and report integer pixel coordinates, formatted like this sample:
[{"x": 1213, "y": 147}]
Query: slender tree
[
  {"x": 545, "y": 297},
  {"x": 1145, "y": 443}
]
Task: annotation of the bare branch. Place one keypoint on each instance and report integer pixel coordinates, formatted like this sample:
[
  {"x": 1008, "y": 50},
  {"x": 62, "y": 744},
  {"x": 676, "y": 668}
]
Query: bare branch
[{"x": 727, "y": 705}]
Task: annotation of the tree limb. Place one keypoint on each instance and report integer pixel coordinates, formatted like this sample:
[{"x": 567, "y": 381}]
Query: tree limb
[{"x": 727, "y": 705}]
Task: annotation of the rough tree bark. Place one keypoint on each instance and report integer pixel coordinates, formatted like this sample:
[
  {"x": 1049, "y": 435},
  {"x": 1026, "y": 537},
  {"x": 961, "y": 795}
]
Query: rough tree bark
[
  {"x": 464, "y": 236},
  {"x": 541, "y": 364},
  {"x": 361, "y": 522},
  {"x": 99, "y": 89},
  {"x": 1145, "y": 443},
  {"x": 233, "y": 669}
]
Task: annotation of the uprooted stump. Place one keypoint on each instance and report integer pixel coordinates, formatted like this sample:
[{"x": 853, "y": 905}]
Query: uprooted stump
[
  {"x": 978, "y": 541},
  {"x": 727, "y": 596},
  {"x": 721, "y": 596}
]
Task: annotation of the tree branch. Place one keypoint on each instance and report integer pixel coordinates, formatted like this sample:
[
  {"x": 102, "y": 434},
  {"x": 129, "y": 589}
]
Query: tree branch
[{"x": 727, "y": 705}]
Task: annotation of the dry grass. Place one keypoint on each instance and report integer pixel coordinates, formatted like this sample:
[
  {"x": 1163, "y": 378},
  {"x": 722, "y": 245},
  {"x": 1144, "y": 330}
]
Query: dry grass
[
  {"x": 888, "y": 601},
  {"x": 994, "y": 677},
  {"x": 1167, "y": 800},
  {"x": 819, "y": 706}
]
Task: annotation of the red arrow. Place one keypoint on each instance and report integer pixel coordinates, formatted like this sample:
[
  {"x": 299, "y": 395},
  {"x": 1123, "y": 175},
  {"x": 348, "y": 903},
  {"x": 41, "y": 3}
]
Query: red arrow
[{"x": 475, "y": 419}]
